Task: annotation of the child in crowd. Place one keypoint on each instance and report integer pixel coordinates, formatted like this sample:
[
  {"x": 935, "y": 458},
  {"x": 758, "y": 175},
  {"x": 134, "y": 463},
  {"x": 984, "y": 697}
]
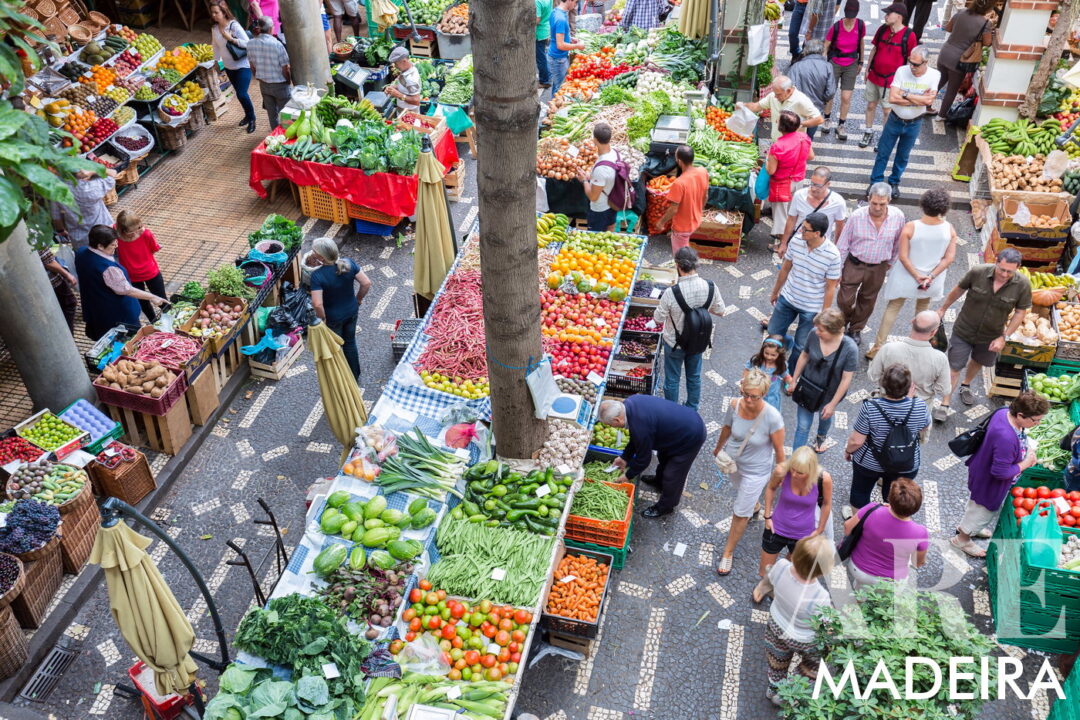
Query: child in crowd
[
  {"x": 136, "y": 253},
  {"x": 771, "y": 359}
]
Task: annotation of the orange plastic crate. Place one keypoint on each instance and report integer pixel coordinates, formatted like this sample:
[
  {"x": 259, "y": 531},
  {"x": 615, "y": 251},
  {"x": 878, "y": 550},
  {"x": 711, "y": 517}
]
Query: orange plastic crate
[
  {"x": 609, "y": 533},
  {"x": 321, "y": 205},
  {"x": 359, "y": 212}
]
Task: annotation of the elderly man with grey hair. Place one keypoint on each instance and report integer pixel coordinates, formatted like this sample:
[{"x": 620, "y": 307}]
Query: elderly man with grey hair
[
  {"x": 914, "y": 87},
  {"x": 270, "y": 65},
  {"x": 786, "y": 96},
  {"x": 674, "y": 431},
  {"x": 813, "y": 74},
  {"x": 928, "y": 366}
]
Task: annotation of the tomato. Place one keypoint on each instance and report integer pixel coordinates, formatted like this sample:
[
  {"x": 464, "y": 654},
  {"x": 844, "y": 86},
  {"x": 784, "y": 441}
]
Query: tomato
[
  {"x": 1030, "y": 492},
  {"x": 1018, "y": 502},
  {"x": 448, "y": 633},
  {"x": 512, "y": 666},
  {"x": 431, "y": 599},
  {"x": 424, "y": 585},
  {"x": 518, "y": 636},
  {"x": 488, "y": 660},
  {"x": 515, "y": 657},
  {"x": 1073, "y": 496},
  {"x": 472, "y": 657},
  {"x": 416, "y": 625},
  {"x": 441, "y": 594},
  {"x": 463, "y": 632},
  {"x": 1068, "y": 520},
  {"x": 410, "y": 636},
  {"x": 456, "y": 641},
  {"x": 466, "y": 674},
  {"x": 522, "y": 617},
  {"x": 502, "y": 638},
  {"x": 1075, "y": 511},
  {"x": 434, "y": 622},
  {"x": 415, "y": 595},
  {"x": 454, "y": 674},
  {"x": 506, "y": 624},
  {"x": 1021, "y": 512},
  {"x": 446, "y": 658},
  {"x": 396, "y": 646},
  {"x": 1057, "y": 492},
  {"x": 485, "y": 606},
  {"x": 457, "y": 610},
  {"x": 1042, "y": 491},
  {"x": 490, "y": 631},
  {"x": 1029, "y": 504},
  {"x": 504, "y": 655},
  {"x": 408, "y": 615},
  {"x": 493, "y": 674}
]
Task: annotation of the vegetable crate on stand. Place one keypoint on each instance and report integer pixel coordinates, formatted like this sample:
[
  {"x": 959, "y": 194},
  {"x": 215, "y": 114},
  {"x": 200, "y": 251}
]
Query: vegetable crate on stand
[
  {"x": 321, "y": 205},
  {"x": 1033, "y": 355},
  {"x": 403, "y": 334},
  {"x": 161, "y": 423},
  {"x": 129, "y": 480},
  {"x": 454, "y": 180},
  {"x": 1006, "y": 379},
  {"x": 1067, "y": 350},
  {"x": 202, "y": 396},
  {"x": 630, "y": 378},
  {"x": 605, "y": 533},
  {"x": 81, "y": 520},
  {"x": 573, "y": 627},
  {"x": 276, "y": 370}
]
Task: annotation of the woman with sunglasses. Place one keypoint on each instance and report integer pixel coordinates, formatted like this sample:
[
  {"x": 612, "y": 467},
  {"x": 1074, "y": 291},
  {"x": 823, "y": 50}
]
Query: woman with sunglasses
[{"x": 756, "y": 431}]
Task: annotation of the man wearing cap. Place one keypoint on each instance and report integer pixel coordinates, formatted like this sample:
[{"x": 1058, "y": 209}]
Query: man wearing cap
[
  {"x": 407, "y": 86},
  {"x": 785, "y": 96},
  {"x": 891, "y": 47},
  {"x": 913, "y": 89},
  {"x": 270, "y": 65}
]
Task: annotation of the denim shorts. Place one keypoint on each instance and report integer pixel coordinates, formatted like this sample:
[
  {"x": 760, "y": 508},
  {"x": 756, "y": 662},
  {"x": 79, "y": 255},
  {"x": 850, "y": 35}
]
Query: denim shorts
[
  {"x": 325, "y": 22},
  {"x": 772, "y": 543}
]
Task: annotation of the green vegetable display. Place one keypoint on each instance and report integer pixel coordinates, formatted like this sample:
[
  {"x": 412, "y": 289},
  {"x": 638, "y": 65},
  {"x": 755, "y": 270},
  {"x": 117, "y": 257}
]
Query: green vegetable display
[
  {"x": 1047, "y": 435},
  {"x": 476, "y": 701},
  {"x": 254, "y": 693},
  {"x": 682, "y": 57},
  {"x": 600, "y": 502},
  {"x": 372, "y": 523},
  {"x": 607, "y": 243},
  {"x": 1062, "y": 388},
  {"x": 648, "y": 109},
  {"x": 598, "y": 470},
  {"x": 335, "y": 107},
  {"x": 279, "y": 228},
  {"x": 428, "y": 12},
  {"x": 609, "y": 437},
  {"x": 729, "y": 163},
  {"x": 192, "y": 291},
  {"x": 459, "y": 83},
  {"x": 421, "y": 468},
  {"x": 497, "y": 495},
  {"x": 228, "y": 280},
  {"x": 366, "y": 593},
  {"x": 329, "y": 560}
]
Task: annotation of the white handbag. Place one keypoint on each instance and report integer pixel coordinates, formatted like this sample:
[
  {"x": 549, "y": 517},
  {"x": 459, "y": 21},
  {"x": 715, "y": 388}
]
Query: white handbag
[{"x": 724, "y": 462}]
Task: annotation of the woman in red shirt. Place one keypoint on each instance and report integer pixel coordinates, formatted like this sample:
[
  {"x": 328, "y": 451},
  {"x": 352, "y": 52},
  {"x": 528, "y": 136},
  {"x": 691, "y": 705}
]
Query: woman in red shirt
[
  {"x": 136, "y": 254},
  {"x": 786, "y": 165}
]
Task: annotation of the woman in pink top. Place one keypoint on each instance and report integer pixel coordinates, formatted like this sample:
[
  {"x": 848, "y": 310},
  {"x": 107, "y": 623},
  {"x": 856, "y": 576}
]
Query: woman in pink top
[
  {"x": 786, "y": 164},
  {"x": 891, "y": 540},
  {"x": 844, "y": 49},
  {"x": 269, "y": 8}
]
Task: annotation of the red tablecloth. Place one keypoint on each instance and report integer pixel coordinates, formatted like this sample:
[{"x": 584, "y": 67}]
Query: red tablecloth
[{"x": 385, "y": 192}]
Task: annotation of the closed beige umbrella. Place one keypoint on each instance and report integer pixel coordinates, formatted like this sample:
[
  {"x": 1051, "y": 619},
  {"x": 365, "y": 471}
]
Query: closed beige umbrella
[
  {"x": 340, "y": 394},
  {"x": 144, "y": 607},
  {"x": 434, "y": 251},
  {"x": 694, "y": 18},
  {"x": 386, "y": 13}
]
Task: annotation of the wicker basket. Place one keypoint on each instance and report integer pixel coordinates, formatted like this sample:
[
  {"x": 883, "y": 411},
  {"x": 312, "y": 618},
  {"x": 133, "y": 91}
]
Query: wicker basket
[
  {"x": 31, "y": 13},
  {"x": 43, "y": 577},
  {"x": 198, "y": 117},
  {"x": 46, "y": 9},
  {"x": 129, "y": 481},
  {"x": 78, "y": 539},
  {"x": 111, "y": 198},
  {"x": 78, "y": 503},
  {"x": 98, "y": 21},
  {"x": 173, "y": 137},
  {"x": 14, "y": 649},
  {"x": 77, "y": 33},
  {"x": 15, "y": 590},
  {"x": 55, "y": 28}
]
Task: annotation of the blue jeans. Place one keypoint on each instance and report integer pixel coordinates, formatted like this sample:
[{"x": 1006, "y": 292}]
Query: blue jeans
[
  {"x": 241, "y": 80},
  {"x": 346, "y": 330},
  {"x": 795, "y": 28},
  {"x": 557, "y": 67},
  {"x": 674, "y": 360},
  {"x": 902, "y": 134},
  {"x": 804, "y": 419},
  {"x": 783, "y": 314},
  {"x": 542, "y": 70},
  {"x": 811, "y": 131}
]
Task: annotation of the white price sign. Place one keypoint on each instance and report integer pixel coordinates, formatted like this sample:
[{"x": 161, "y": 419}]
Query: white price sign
[
  {"x": 568, "y": 578},
  {"x": 498, "y": 574},
  {"x": 542, "y": 491},
  {"x": 330, "y": 671}
]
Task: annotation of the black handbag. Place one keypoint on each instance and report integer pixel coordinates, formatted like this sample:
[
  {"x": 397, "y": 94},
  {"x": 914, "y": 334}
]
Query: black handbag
[
  {"x": 847, "y": 545},
  {"x": 789, "y": 5},
  {"x": 940, "y": 341},
  {"x": 808, "y": 394},
  {"x": 969, "y": 441},
  {"x": 237, "y": 52}
]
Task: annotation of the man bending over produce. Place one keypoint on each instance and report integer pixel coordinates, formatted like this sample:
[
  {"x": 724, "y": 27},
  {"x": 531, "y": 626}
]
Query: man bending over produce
[{"x": 674, "y": 431}]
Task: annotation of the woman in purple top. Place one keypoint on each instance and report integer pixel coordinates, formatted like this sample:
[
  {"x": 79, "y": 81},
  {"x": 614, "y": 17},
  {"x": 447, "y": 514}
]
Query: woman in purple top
[
  {"x": 993, "y": 468},
  {"x": 891, "y": 541},
  {"x": 804, "y": 487}
]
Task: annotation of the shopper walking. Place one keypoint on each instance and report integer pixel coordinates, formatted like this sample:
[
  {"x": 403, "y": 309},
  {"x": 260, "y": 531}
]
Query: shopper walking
[
  {"x": 890, "y": 49},
  {"x": 230, "y": 49},
  {"x": 806, "y": 282},
  {"x": 644, "y": 14},
  {"x": 561, "y": 43},
  {"x": 135, "y": 252},
  {"x": 891, "y": 542},
  {"x": 785, "y": 163},
  {"x": 869, "y": 245},
  {"x": 1004, "y": 453},
  {"x": 913, "y": 89},
  {"x": 983, "y": 322},
  {"x": 825, "y": 371},
  {"x": 927, "y": 249},
  {"x": 798, "y": 500},
  {"x": 675, "y": 432},
  {"x": 844, "y": 51},
  {"x": 928, "y": 366},
  {"x": 822, "y": 13},
  {"x": 813, "y": 74},
  {"x": 798, "y": 597},
  {"x": 686, "y": 199},
  {"x": 89, "y": 191},
  {"x": 754, "y": 432},
  {"x": 337, "y": 290},
  {"x": 884, "y": 443},
  {"x": 817, "y": 197},
  {"x": 771, "y": 360},
  {"x": 919, "y": 12},
  {"x": 63, "y": 285},
  {"x": 267, "y": 8},
  {"x": 543, "y": 39},
  {"x": 269, "y": 63},
  {"x": 683, "y": 312},
  {"x": 601, "y": 216},
  {"x": 969, "y": 32},
  {"x": 107, "y": 295},
  {"x": 786, "y": 96},
  {"x": 795, "y": 23}
]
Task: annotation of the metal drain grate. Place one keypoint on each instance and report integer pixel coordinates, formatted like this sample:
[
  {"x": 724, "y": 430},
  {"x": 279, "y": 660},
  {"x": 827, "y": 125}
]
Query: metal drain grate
[{"x": 48, "y": 674}]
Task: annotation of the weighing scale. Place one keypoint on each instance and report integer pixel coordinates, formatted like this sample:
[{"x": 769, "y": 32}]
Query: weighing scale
[
  {"x": 381, "y": 101},
  {"x": 353, "y": 76},
  {"x": 670, "y": 132}
]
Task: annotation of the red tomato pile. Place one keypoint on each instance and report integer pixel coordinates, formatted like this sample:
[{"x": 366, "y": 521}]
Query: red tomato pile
[
  {"x": 1027, "y": 500},
  {"x": 15, "y": 448},
  {"x": 483, "y": 641},
  {"x": 576, "y": 359}
]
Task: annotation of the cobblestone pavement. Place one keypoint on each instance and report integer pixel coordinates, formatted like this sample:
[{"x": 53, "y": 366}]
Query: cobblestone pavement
[{"x": 677, "y": 641}]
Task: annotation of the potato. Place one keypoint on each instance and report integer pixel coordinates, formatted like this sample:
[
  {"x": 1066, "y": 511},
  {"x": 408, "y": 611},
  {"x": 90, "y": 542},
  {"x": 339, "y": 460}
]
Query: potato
[
  {"x": 157, "y": 392},
  {"x": 155, "y": 372},
  {"x": 148, "y": 386},
  {"x": 161, "y": 382},
  {"x": 134, "y": 389},
  {"x": 116, "y": 386}
]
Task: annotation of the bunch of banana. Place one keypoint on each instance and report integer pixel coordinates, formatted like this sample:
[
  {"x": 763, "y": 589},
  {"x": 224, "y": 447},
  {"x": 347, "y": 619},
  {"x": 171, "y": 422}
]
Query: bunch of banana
[
  {"x": 551, "y": 228},
  {"x": 1021, "y": 137},
  {"x": 1040, "y": 280},
  {"x": 773, "y": 11}
]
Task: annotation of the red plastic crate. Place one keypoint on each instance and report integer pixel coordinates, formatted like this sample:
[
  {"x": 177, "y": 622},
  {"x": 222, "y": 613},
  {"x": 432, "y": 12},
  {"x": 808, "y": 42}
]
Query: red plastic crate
[
  {"x": 168, "y": 707},
  {"x": 609, "y": 533},
  {"x": 143, "y": 403}
]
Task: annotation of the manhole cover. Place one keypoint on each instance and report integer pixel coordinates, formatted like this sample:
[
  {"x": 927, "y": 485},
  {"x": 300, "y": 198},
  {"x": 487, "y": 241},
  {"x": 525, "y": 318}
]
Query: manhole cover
[{"x": 48, "y": 674}]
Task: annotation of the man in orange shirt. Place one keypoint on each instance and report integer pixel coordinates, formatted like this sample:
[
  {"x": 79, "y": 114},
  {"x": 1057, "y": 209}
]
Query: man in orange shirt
[{"x": 687, "y": 199}]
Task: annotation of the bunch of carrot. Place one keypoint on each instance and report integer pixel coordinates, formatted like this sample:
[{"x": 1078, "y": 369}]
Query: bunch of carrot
[
  {"x": 578, "y": 598},
  {"x": 661, "y": 183}
]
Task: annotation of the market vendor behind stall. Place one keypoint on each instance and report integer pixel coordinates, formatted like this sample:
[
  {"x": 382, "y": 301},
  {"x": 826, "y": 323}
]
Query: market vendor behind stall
[{"x": 407, "y": 86}]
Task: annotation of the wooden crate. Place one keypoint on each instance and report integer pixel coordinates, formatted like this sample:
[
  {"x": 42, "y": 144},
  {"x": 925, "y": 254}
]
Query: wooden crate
[
  {"x": 1006, "y": 380},
  {"x": 423, "y": 48},
  {"x": 277, "y": 370},
  {"x": 166, "y": 433},
  {"x": 225, "y": 365},
  {"x": 1033, "y": 250},
  {"x": 454, "y": 180},
  {"x": 293, "y": 273},
  {"x": 202, "y": 396},
  {"x": 725, "y": 251},
  {"x": 570, "y": 642}
]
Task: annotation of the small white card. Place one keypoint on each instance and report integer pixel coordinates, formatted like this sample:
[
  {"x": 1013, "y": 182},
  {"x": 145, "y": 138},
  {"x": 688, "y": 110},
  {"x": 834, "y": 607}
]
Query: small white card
[
  {"x": 651, "y": 324},
  {"x": 656, "y": 292},
  {"x": 599, "y": 322},
  {"x": 498, "y": 574},
  {"x": 572, "y": 151},
  {"x": 611, "y": 468},
  {"x": 453, "y": 693},
  {"x": 542, "y": 491},
  {"x": 395, "y": 137},
  {"x": 493, "y": 649},
  {"x": 680, "y": 549},
  {"x": 564, "y": 469},
  {"x": 1062, "y": 505},
  {"x": 568, "y": 578},
  {"x": 594, "y": 378},
  {"x": 330, "y": 671}
]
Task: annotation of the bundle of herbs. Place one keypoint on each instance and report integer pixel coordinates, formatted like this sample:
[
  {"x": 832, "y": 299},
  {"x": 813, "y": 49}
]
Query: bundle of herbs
[
  {"x": 228, "y": 280},
  {"x": 282, "y": 229}
]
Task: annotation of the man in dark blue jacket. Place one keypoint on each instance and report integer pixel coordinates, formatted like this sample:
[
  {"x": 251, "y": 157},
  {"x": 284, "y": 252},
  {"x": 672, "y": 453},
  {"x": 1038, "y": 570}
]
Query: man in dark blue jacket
[{"x": 674, "y": 431}]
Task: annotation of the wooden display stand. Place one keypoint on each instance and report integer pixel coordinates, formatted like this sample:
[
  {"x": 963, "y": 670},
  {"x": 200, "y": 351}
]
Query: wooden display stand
[
  {"x": 202, "y": 396},
  {"x": 165, "y": 433},
  {"x": 454, "y": 180},
  {"x": 422, "y": 48},
  {"x": 569, "y": 642},
  {"x": 1006, "y": 380},
  {"x": 224, "y": 365},
  {"x": 293, "y": 272},
  {"x": 129, "y": 481},
  {"x": 278, "y": 369}
]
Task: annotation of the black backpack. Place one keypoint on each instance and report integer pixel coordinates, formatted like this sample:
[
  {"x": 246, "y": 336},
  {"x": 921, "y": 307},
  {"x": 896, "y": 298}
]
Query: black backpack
[
  {"x": 897, "y": 454},
  {"x": 696, "y": 334}
]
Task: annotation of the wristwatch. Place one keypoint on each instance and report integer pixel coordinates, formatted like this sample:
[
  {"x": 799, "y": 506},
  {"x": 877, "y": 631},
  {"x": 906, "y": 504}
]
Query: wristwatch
[{"x": 904, "y": 94}]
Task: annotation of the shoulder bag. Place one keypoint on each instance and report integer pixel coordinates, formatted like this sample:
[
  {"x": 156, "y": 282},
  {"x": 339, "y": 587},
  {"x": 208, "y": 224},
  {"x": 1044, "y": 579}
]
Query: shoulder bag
[
  {"x": 237, "y": 52},
  {"x": 724, "y": 462},
  {"x": 847, "y": 545},
  {"x": 968, "y": 442},
  {"x": 972, "y": 57},
  {"x": 808, "y": 394}
]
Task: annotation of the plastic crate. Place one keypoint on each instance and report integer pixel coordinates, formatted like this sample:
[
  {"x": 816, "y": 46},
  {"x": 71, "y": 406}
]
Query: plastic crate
[
  {"x": 1059, "y": 583},
  {"x": 168, "y": 707},
  {"x": 649, "y": 339},
  {"x": 1067, "y": 708},
  {"x": 453, "y": 47},
  {"x": 1052, "y": 371},
  {"x": 608, "y": 533},
  {"x": 64, "y": 450},
  {"x": 101, "y": 427},
  {"x": 404, "y": 32},
  {"x": 572, "y": 626},
  {"x": 403, "y": 333},
  {"x": 359, "y": 212},
  {"x": 365, "y": 227},
  {"x": 321, "y": 205},
  {"x": 618, "y": 555},
  {"x": 620, "y": 385},
  {"x": 144, "y": 403}
]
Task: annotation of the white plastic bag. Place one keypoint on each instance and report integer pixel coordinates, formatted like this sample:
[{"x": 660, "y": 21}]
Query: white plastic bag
[
  {"x": 757, "y": 38},
  {"x": 543, "y": 388},
  {"x": 1022, "y": 216},
  {"x": 742, "y": 121},
  {"x": 1055, "y": 165},
  {"x": 541, "y": 195}
]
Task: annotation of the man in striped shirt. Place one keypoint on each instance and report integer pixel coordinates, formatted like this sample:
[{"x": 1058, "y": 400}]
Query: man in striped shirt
[{"x": 806, "y": 282}]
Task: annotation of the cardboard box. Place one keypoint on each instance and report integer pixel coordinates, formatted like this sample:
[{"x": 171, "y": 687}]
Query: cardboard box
[
  {"x": 1054, "y": 207},
  {"x": 1031, "y": 249}
]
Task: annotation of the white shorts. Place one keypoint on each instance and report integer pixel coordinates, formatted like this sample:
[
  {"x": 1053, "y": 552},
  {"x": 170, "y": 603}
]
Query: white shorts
[
  {"x": 860, "y": 579},
  {"x": 747, "y": 492},
  {"x": 976, "y": 517},
  {"x": 337, "y": 7}
]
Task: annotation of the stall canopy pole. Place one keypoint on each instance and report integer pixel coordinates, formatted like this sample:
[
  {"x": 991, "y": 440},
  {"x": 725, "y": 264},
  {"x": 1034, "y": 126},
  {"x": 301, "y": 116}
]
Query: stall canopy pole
[
  {"x": 408, "y": 13},
  {"x": 716, "y": 24}
]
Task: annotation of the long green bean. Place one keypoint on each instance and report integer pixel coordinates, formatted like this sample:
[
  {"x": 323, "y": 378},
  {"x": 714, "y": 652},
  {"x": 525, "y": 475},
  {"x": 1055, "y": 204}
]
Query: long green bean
[{"x": 599, "y": 501}]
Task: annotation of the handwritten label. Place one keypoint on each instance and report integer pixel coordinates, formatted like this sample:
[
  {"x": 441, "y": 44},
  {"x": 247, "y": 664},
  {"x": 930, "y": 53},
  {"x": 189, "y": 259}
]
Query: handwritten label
[
  {"x": 568, "y": 578},
  {"x": 564, "y": 469},
  {"x": 453, "y": 693},
  {"x": 594, "y": 378},
  {"x": 493, "y": 649},
  {"x": 599, "y": 322},
  {"x": 330, "y": 671},
  {"x": 542, "y": 491},
  {"x": 498, "y": 574},
  {"x": 651, "y": 324},
  {"x": 655, "y": 293},
  {"x": 1062, "y": 505}
]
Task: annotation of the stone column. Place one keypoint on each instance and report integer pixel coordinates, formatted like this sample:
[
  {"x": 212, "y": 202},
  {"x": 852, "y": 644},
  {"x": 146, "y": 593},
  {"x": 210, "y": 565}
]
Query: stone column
[
  {"x": 308, "y": 57},
  {"x": 34, "y": 330}
]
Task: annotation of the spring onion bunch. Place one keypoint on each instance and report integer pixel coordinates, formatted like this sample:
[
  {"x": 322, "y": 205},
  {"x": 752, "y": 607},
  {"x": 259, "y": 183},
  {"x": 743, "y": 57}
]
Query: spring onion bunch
[{"x": 421, "y": 468}]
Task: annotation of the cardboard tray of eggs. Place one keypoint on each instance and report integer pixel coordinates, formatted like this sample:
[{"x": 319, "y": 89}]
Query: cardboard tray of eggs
[{"x": 145, "y": 387}]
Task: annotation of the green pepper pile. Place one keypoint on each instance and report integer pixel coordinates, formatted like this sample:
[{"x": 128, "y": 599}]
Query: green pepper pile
[{"x": 499, "y": 496}]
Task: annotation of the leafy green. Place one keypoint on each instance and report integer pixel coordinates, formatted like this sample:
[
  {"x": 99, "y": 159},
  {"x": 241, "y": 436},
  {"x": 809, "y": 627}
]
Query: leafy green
[
  {"x": 228, "y": 280},
  {"x": 236, "y": 679},
  {"x": 459, "y": 83},
  {"x": 249, "y": 693},
  {"x": 192, "y": 291},
  {"x": 276, "y": 227}
]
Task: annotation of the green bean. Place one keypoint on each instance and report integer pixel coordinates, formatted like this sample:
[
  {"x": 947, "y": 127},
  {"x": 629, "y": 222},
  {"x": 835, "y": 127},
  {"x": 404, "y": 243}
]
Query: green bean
[
  {"x": 599, "y": 501},
  {"x": 598, "y": 470}
]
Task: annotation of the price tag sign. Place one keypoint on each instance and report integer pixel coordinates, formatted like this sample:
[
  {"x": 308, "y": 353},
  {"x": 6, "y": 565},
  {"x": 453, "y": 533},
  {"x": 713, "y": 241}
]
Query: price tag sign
[
  {"x": 542, "y": 491},
  {"x": 330, "y": 671},
  {"x": 395, "y": 137},
  {"x": 594, "y": 378},
  {"x": 564, "y": 469},
  {"x": 599, "y": 322},
  {"x": 568, "y": 578},
  {"x": 498, "y": 574},
  {"x": 651, "y": 324},
  {"x": 656, "y": 292},
  {"x": 572, "y": 151},
  {"x": 1062, "y": 505},
  {"x": 453, "y": 693},
  {"x": 493, "y": 649}
]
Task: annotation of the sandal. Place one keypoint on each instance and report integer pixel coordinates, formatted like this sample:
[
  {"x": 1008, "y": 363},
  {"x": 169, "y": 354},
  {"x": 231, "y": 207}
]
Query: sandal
[
  {"x": 757, "y": 512},
  {"x": 969, "y": 548},
  {"x": 822, "y": 444},
  {"x": 763, "y": 588},
  {"x": 725, "y": 566}
]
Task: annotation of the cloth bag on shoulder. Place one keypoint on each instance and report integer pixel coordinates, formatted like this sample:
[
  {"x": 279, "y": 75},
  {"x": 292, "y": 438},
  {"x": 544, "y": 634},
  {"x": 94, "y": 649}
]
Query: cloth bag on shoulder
[{"x": 724, "y": 462}]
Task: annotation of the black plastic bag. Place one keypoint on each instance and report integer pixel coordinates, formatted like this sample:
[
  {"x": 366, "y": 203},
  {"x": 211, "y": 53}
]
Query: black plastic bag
[
  {"x": 294, "y": 310},
  {"x": 566, "y": 197},
  {"x": 960, "y": 114}
]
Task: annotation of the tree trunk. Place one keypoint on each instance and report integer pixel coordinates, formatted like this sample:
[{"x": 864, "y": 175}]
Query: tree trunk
[
  {"x": 308, "y": 59},
  {"x": 1049, "y": 61},
  {"x": 504, "y": 72},
  {"x": 33, "y": 328}
]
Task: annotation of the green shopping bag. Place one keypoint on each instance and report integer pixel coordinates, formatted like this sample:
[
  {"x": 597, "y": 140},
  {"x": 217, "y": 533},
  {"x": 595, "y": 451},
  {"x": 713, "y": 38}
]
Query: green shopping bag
[
  {"x": 458, "y": 121},
  {"x": 1042, "y": 535}
]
